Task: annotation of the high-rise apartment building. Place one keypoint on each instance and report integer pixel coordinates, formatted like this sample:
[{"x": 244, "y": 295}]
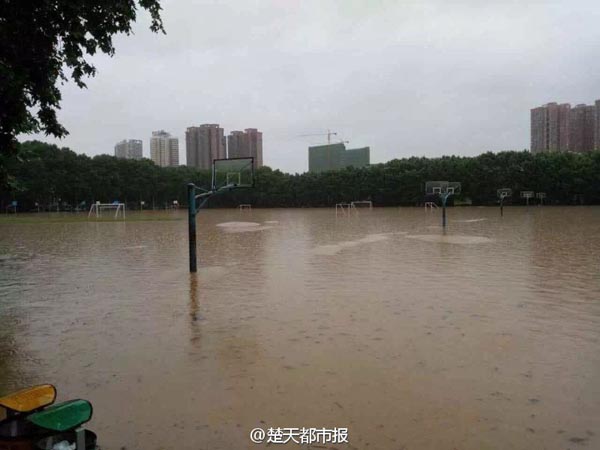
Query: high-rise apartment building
[
  {"x": 164, "y": 149},
  {"x": 597, "y": 126},
  {"x": 557, "y": 127},
  {"x": 236, "y": 144},
  {"x": 244, "y": 144},
  {"x": 582, "y": 120},
  {"x": 322, "y": 158},
  {"x": 550, "y": 128},
  {"x": 129, "y": 149},
  {"x": 203, "y": 144}
]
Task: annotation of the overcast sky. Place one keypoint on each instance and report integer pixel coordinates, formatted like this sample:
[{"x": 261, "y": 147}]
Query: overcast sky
[{"x": 423, "y": 78}]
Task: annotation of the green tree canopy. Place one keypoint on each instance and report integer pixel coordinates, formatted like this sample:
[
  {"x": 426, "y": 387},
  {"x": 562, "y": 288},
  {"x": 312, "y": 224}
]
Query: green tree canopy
[
  {"x": 49, "y": 175},
  {"x": 40, "y": 42}
]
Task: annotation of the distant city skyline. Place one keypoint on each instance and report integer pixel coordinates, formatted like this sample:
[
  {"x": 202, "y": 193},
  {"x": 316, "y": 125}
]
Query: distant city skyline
[
  {"x": 405, "y": 78},
  {"x": 564, "y": 128}
]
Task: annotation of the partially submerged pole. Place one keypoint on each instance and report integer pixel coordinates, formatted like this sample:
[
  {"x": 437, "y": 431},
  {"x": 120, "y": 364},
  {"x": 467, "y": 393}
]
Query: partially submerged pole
[
  {"x": 502, "y": 206},
  {"x": 192, "y": 225},
  {"x": 444, "y": 198}
]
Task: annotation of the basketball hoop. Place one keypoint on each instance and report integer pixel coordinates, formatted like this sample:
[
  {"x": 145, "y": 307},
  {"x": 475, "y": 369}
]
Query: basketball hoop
[
  {"x": 227, "y": 174},
  {"x": 443, "y": 189},
  {"x": 502, "y": 194}
]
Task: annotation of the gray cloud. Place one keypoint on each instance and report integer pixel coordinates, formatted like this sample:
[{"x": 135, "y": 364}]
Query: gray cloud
[{"x": 407, "y": 78}]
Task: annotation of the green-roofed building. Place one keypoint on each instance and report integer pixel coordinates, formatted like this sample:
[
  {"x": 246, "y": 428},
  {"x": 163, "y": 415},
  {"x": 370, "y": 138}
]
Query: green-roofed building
[{"x": 322, "y": 158}]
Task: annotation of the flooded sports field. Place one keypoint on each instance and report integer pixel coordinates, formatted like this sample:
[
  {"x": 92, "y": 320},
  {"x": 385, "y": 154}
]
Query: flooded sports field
[{"x": 486, "y": 336}]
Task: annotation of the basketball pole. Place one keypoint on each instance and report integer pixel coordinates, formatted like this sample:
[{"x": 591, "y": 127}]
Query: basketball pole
[
  {"x": 204, "y": 196},
  {"x": 192, "y": 225},
  {"x": 501, "y": 206},
  {"x": 192, "y": 211},
  {"x": 444, "y": 199}
]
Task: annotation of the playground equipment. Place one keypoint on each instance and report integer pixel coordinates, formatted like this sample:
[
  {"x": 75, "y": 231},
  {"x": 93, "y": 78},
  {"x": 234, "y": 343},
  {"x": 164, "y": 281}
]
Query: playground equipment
[
  {"x": 245, "y": 207},
  {"x": 98, "y": 207},
  {"x": 502, "y": 194},
  {"x": 541, "y": 196},
  {"x": 227, "y": 175},
  {"x": 527, "y": 195},
  {"x": 34, "y": 421},
  {"x": 443, "y": 189}
]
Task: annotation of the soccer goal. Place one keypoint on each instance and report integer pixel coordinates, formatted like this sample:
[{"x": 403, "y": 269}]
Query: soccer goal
[
  {"x": 362, "y": 204},
  {"x": 99, "y": 207},
  {"x": 245, "y": 207},
  {"x": 344, "y": 208}
]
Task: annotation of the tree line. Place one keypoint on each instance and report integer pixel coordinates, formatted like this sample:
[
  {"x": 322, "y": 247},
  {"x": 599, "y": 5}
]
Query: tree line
[{"x": 48, "y": 177}]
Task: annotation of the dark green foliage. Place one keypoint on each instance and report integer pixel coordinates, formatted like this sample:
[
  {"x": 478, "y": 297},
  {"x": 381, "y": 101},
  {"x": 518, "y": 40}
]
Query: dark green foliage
[
  {"x": 41, "y": 39},
  {"x": 48, "y": 174}
]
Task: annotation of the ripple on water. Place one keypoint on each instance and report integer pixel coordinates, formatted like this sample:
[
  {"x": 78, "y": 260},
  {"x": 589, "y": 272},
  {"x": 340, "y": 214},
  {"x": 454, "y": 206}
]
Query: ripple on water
[
  {"x": 238, "y": 224},
  {"x": 242, "y": 227},
  {"x": 332, "y": 249},
  {"x": 451, "y": 239},
  {"x": 210, "y": 272}
]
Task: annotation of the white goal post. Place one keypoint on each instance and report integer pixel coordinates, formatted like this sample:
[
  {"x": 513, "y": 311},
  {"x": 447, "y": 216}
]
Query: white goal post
[
  {"x": 344, "y": 208},
  {"x": 98, "y": 207},
  {"x": 362, "y": 204}
]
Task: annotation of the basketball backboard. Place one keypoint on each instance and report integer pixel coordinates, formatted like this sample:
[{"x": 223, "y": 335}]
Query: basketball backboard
[
  {"x": 504, "y": 192},
  {"x": 233, "y": 173},
  {"x": 442, "y": 187}
]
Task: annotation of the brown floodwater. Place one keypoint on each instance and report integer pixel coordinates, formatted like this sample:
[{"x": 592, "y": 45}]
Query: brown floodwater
[{"x": 486, "y": 336}]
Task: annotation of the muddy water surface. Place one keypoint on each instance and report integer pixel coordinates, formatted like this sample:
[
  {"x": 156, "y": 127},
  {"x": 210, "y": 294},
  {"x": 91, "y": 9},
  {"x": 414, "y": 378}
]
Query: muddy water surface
[{"x": 485, "y": 337}]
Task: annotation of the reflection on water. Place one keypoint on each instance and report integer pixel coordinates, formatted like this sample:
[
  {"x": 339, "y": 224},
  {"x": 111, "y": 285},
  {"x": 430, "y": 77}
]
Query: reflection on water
[
  {"x": 482, "y": 336},
  {"x": 451, "y": 238}
]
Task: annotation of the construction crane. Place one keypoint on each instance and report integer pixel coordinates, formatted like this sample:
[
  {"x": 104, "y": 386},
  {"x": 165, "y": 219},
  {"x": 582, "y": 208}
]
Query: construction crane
[{"x": 329, "y": 134}]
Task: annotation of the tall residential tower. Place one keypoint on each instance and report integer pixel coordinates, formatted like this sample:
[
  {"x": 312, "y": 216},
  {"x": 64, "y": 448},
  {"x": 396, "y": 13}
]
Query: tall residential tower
[
  {"x": 164, "y": 149},
  {"x": 582, "y": 119},
  {"x": 247, "y": 143},
  {"x": 129, "y": 149},
  {"x": 203, "y": 144},
  {"x": 550, "y": 128},
  {"x": 597, "y": 127},
  {"x": 561, "y": 128}
]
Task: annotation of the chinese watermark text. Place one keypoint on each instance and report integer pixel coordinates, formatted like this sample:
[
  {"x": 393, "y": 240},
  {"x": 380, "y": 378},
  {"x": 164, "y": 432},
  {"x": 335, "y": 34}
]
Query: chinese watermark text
[{"x": 299, "y": 435}]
